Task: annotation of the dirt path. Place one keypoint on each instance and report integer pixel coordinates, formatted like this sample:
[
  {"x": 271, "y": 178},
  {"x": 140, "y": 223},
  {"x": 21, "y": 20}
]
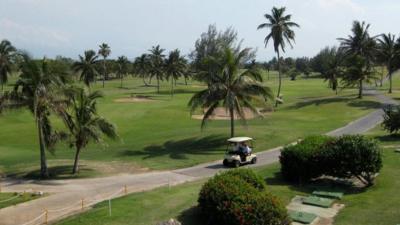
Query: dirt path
[{"x": 66, "y": 195}]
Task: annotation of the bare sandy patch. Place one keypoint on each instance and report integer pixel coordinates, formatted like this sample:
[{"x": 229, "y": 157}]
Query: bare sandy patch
[
  {"x": 221, "y": 113},
  {"x": 133, "y": 99}
]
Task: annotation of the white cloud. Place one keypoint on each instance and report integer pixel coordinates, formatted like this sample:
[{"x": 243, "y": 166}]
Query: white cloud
[
  {"x": 32, "y": 35},
  {"x": 341, "y": 4}
]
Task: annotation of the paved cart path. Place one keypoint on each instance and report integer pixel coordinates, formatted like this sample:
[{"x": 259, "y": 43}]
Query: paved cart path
[{"x": 66, "y": 196}]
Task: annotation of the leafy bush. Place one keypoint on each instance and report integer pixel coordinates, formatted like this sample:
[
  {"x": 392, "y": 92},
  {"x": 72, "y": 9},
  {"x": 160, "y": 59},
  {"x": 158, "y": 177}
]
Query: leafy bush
[
  {"x": 249, "y": 176},
  {"x": 391, "y": 118},
  {"x": 302, "y": 162},
  {"x": 344, "y": 157},
  {"x": 233, "y": 198},
  {"x": 353, "y": 156}
]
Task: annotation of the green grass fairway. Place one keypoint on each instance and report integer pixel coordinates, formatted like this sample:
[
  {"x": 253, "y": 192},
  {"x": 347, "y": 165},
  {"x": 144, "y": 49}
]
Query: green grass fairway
[
  {"x": 9, "y": 199},
  {"x": 160, "y": 134},
  {"x": 379, "y": 205}
]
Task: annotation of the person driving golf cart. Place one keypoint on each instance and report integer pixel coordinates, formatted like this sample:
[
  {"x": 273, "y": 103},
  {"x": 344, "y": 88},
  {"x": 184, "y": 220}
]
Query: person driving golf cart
[{"x": 241, "y": 152}]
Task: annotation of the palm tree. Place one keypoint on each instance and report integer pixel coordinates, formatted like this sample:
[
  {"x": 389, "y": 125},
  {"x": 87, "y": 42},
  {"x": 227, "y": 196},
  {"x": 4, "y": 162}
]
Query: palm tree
[
  {"x": 104, "y": 51},
  {"x": 83, "y": 122},
  {"x": 332, "y": 68},
  {"x": 175, "y": 67},
  {"x": 387, "y": 53},
  {"x": 281, "y": 33},
  {"x": 234, "y": 88},
  {"x": 37, "y": 89},
  {"x": 142, "y": 66},
  {"x": 122, "y": 67},
  {"x": 157, "y": 64},
  {"x": 6, "y": 53},
  {"x": 359, "y": 44},
  {"x": 87, "y": 67},
  {"x": 356, "y": 72}
]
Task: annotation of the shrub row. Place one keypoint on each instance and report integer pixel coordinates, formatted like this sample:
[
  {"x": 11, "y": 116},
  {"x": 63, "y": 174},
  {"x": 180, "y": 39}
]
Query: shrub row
[
  {"x": 239, "y": 197},
  {"x": 343, "y": 157}
]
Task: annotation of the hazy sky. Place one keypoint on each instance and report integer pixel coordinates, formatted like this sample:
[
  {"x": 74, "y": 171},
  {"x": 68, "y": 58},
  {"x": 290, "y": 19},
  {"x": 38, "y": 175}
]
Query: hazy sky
[{"x": 131, "y": 27}]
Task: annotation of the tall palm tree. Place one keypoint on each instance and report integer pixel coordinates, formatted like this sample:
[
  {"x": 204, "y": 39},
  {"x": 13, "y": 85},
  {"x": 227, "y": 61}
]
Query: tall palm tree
[
  {"x": 157, "y": 64},
  {"x": 175, "y": 67},
  {"x": 83, "y": 122},
  {"x": 142, "y": 66},
  {"x": 87, "y": 67},
  {"x": 7, "y": 51},
  {"x": 387, "y": 53},
  {"x": 122, "y": 67},
  {"x": 360, "y": 45},
  {"x": 234, "y": 88},
  {"x": 281, "y": 32},
  {"x": 37, "y": 89},
  {"x": 104, "y": 51}
]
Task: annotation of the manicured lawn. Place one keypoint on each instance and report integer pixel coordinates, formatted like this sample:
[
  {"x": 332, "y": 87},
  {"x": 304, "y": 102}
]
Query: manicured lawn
[
  {"x": 160, "y": 134},
  {"x": 9, "y": 199},
  {"x": 378, "y": 205}
]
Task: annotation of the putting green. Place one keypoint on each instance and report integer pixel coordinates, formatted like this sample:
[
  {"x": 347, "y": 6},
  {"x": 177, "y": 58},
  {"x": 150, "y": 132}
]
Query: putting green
[
  {"x": 302, "y": 217},
  {"x": 318, "y": 201},
  {"x": 326, "y": 194}
]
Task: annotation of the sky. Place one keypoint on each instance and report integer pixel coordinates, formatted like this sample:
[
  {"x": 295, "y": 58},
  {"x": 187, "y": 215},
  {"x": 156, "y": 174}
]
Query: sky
[{"x": 131, "y": 27}]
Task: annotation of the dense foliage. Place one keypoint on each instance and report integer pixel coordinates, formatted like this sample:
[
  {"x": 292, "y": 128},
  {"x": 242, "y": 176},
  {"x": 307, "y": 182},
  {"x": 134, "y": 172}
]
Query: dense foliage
[
  {"x": 302, "y": 162},
  {"x": 391, "y": 119},
  {"x": 235, "y": 198},
  {"x": 344, "y": 157}
]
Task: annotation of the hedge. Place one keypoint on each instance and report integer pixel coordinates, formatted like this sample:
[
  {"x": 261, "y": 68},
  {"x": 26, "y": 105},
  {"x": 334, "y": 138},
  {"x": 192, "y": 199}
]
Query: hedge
[{"x": 343, "y": 157}]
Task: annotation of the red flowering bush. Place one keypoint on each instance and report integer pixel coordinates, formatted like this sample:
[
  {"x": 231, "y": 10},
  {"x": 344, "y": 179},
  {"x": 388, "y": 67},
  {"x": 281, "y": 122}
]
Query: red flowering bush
[{"x": 238, "y": 197}]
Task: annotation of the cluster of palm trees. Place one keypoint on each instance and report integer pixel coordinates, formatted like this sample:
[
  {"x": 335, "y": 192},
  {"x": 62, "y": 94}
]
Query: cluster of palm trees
[
  {"x": 361, "y": 52},
  {"x": 357, "y": 59},
  {"x": 156, "y": 65},
  {"x": 88, "y": 69},
  {"x": 44, "y": 91}
]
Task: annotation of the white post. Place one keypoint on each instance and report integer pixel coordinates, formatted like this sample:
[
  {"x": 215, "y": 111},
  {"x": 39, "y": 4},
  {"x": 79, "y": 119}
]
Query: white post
[{"x": 109, "y": 207}]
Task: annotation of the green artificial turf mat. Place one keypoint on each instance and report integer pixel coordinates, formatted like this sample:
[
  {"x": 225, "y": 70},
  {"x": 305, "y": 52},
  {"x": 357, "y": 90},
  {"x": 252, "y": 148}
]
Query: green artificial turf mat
[
  {"x": 302, "y": 217},
  {"x": 318, "y": 201},
  {"x": 327, "y": 194}
]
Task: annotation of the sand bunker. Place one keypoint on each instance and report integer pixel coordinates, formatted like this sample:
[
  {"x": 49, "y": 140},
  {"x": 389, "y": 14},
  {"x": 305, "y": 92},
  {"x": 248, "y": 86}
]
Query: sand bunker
[
  {"x": 133, "y": 99},
  {"x": 221, "y": 113}
]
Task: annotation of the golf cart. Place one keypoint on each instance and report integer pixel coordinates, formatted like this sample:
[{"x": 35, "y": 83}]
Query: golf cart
[{"x": 233, "y": 156}]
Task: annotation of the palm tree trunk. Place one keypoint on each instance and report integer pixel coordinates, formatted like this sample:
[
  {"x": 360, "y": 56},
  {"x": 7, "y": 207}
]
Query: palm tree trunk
[
  {"x": 104, "y": 71},
  {"x": 232, "y": 122},
  {"x": 185, "y": 81},
  {"x": 158, "y": 85},
  {"x": 122, "y": 77},
  {"x": 390, "y": 83},
  {"x": 280, "y": 79},
  {"x": 75, "y": 169},
  {"x": 144, "y": 81},
  {"x": 44, "y": 172},
  {"x": 172, "y": 87},
  {"x": 383, "y": 70},
  {"x": 360, "y": 91}
]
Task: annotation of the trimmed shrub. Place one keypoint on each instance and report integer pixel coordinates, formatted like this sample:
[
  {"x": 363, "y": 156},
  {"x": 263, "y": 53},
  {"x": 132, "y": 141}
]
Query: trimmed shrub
[
  {"x": 302, "y": 162},
  {"x": 233, "y": 199},
  {"x": 248, "y": 176},
  {"x": 353, "y": 156}
]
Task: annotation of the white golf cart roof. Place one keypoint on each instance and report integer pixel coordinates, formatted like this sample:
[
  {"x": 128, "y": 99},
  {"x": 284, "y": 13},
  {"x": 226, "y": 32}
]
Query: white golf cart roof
[{"x": 239, "y": 139}]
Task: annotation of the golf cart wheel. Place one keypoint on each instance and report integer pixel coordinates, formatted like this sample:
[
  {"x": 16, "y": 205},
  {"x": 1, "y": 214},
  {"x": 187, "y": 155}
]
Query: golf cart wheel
[
  {"x": 225, "y": 163},
  {"x": 254, "y": 160},
  {"x": 236, "y": 164}
]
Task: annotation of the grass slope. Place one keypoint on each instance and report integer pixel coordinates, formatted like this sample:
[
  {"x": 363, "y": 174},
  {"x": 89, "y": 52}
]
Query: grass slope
[
  {"x": 7, "y": 199},
  {"x": 161, "y": 134}
]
